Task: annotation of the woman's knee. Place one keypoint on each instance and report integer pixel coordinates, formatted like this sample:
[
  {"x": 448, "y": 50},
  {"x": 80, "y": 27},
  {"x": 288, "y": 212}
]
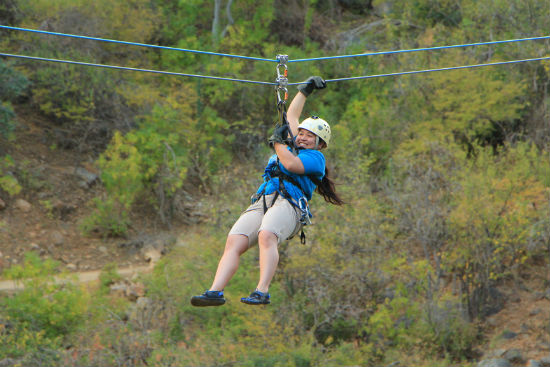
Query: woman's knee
[
  {"x": 267, "y": 239},
  {"x": 236, "y": 243}
]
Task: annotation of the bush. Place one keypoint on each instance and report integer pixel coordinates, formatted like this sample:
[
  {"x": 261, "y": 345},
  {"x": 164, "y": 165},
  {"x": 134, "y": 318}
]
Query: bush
[
  {"x": 53, "y": 307},
  {"x": 12, "y": 85},
  {"x": 8, "y": 182}
]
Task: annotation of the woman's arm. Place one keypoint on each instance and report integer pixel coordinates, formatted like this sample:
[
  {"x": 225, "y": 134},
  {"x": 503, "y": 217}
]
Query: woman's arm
[
  {"x": 297, "y": 104},
  {"x": 294, "y": 112},
  {"x": 290, "y": 161}
]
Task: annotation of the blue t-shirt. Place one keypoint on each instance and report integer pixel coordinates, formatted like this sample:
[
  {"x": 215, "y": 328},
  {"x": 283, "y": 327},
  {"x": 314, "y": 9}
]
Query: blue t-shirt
[{"x": 314, "y": 165}]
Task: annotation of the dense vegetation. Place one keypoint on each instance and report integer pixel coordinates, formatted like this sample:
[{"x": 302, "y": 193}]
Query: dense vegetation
[{"x": 444, "y": 174}]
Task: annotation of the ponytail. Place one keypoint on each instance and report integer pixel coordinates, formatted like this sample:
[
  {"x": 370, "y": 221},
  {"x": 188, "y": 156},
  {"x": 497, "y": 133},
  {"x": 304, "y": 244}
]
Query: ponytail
[{"x": 327, "y": 190}]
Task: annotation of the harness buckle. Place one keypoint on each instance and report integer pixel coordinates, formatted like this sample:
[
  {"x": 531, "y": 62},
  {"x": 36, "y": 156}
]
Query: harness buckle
[
  {"x": 254, "y": 198},
  {"x": 304, "y": 208}
]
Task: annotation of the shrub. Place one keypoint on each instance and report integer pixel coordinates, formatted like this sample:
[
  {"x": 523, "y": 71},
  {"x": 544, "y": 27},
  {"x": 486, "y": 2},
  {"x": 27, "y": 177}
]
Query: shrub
[
  {"x": 8, "y": 182},
  {"x": 12, "y": 85},
  {"x": 54, "y": 307}
]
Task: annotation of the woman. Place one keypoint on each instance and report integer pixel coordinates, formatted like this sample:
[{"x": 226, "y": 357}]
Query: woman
[{"x": 279, "y": 208}]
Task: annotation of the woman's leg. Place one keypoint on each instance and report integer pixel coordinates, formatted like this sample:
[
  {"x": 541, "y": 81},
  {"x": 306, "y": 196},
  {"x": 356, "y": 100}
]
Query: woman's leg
[
  {"x": 235, "y": 246},
  {"x": 269, "y": 258}
]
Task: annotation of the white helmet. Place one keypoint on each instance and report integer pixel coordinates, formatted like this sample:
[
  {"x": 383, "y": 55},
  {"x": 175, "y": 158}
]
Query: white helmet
[{"x": 318, "y": 126}]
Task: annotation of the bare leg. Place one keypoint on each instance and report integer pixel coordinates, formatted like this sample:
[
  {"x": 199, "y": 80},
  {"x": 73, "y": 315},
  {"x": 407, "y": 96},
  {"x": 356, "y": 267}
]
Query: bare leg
[
  {"x": 235, "y": 246},
  {"x": 269, "y": 258}
]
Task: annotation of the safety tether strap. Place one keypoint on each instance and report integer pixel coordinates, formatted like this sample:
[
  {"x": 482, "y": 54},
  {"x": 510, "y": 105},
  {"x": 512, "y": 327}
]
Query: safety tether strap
[{"x": 282, "y": 83}]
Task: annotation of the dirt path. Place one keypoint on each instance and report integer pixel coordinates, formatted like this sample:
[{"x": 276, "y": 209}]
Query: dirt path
[{"x": 83, "y": 277}]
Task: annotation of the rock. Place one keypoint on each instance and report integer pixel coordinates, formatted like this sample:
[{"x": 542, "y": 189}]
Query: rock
[
  {"x": 131, "y": 291},
  {"x": 151, "y": 254},
  {"x": 496, "y": 362},
  {"x": 495, "y": 300},
  {"x": 57, "y": 238},
  {"x": 23, "y": 205},
  {"x": 135, "y": 291},
  {"x": 88, "y": 177},
  {"x": 545, "y": 361},
  {"x": 514, "y": 356},
  {"x": 7, "y": 362},
  {"x": 509, "y": 335},
  {"x": 537, "y": 296},
  {"x": 497, "y": 353},
  {"x": 37, "y": 248},
  {"x": 533, "y": 363},
  {"x": 2, "y": 204},
  {"x": 62, "y": 210},
  {"x": 72, "y": 267},
  {"x": 118, "y": 288},
  {"x": 83, "y": 185},
  {"x": 514, "y": 298},
  {"x": 492, "y": 321}
]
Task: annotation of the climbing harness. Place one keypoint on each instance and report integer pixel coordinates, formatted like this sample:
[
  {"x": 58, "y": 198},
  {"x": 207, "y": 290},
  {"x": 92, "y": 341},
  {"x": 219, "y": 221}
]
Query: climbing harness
[{"x": 301, "y": 204}]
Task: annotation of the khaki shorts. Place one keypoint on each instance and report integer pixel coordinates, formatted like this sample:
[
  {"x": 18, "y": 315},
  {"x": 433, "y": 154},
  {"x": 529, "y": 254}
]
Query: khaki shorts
[{"x": 282, "y": 219}]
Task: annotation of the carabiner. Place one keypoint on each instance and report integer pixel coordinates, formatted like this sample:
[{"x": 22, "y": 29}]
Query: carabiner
[
  {"x": 282, "y": 78},
  {"x": 304, "y": 208},
  {"x": 285, "y": 95}
]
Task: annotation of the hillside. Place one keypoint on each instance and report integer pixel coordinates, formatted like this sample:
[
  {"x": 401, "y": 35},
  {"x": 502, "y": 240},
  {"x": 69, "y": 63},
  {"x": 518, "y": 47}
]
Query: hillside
[
  {"x": 45, "y": 217},
  {"x": 58, "y": 194},
  {"x": 438, "y": 144}
]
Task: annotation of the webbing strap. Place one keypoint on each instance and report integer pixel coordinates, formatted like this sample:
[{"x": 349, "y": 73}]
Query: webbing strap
[{"x": 272, "y": 201}]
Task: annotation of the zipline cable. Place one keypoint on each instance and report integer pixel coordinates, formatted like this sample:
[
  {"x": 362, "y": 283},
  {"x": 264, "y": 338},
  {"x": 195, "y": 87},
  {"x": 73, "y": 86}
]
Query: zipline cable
[
  {"x": 134, "y": 69},
  {"x": 420, "y": 49},
  {"x": 134, "y": 43},
  {"x": 271, "y": 83},
  {"x": 274, "y": 60},
  {"x": 431, "y": 70}
]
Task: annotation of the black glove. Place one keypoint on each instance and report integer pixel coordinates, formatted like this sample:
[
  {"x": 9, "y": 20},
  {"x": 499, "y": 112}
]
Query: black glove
[
  {"x": 280, "y": 135},
  {"x": 313, "y": 82}
]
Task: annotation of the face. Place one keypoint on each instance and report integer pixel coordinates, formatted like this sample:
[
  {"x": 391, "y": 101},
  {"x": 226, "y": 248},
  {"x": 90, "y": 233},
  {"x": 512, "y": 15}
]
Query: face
[{"x": 306, "y": 139}]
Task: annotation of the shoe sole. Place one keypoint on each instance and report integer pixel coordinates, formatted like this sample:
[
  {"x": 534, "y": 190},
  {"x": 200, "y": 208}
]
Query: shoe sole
[
  {"x": 201, "y": 302},
  {"x": 254, "y": 303}
]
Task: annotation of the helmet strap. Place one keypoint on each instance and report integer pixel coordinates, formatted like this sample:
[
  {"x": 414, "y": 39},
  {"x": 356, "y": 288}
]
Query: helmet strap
[{"x": 316, "y": 142}]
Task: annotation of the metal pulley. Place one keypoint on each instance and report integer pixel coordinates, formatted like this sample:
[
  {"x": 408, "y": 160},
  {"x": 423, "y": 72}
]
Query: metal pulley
[{"x": 282, "y": 79}]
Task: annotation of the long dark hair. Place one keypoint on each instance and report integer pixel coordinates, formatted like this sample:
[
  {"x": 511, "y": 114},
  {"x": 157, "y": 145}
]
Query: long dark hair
[{"x": 327, "y": 190}]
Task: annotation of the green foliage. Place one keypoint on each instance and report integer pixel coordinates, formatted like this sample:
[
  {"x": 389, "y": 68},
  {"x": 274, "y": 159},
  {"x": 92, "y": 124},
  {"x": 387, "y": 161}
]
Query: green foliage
[
  {"x": 110, "y": 218},
  {"x": 46, "y": 307},
  {"x": 499, "y": 201},
  {"x": 68, "y": 101},
  {"x": 29, "y": 346},
  {"x": 12, "y": 85},
  {"x": 8, "y": 182},
  {"x": 109, "y": 275},
  {"x": 145, "y": 161},
  {"x": 438, "y": 170},
  {"x": 418, "y": 317}
]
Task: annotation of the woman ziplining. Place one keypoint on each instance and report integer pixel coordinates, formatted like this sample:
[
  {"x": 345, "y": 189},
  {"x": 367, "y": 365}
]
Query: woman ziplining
[{"x": 279, "y": 208}]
